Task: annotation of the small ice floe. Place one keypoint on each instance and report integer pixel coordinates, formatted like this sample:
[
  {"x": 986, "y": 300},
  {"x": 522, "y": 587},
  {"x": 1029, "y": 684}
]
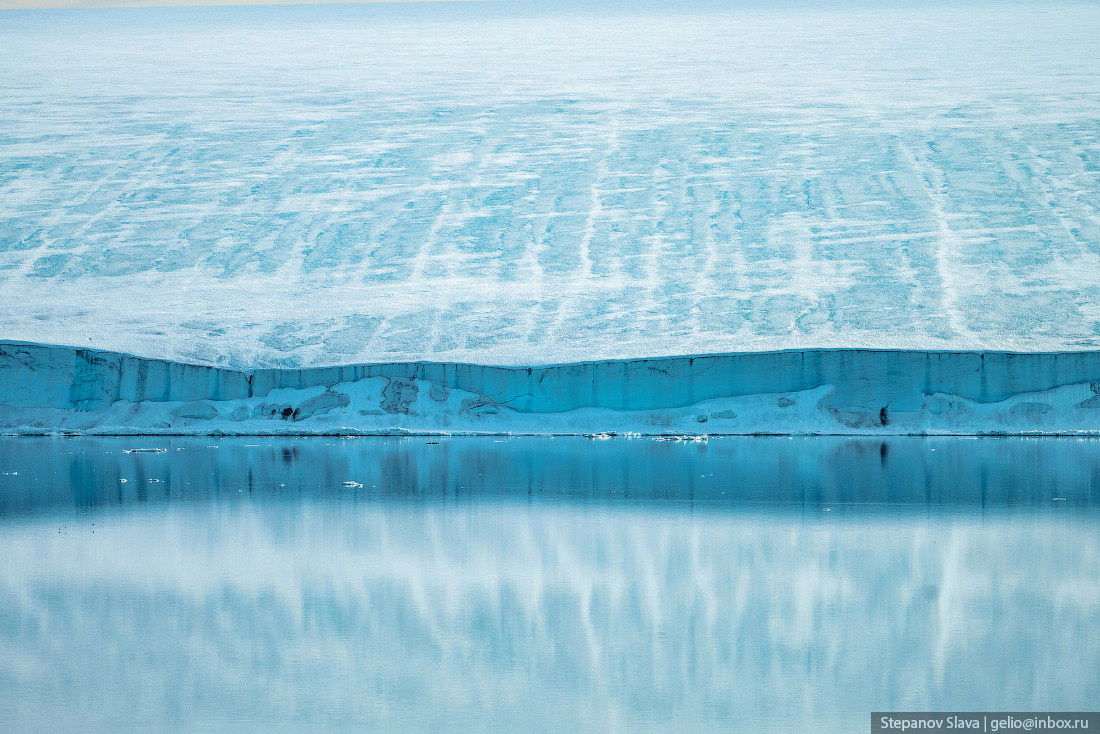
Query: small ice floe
[
  {"x": 144, "y": 451},
  {"x": 1059, "y": 499},
  {"x": 155, "y": 480},
  {"x": 122, "y": 481},
  {"x": 598, "y": 436},
  {"x": 11, "y": 474},
  {"x": 684, "y": 437},
  {"x": 825, "y": 509},
  {"x": 352, "y": 484}
]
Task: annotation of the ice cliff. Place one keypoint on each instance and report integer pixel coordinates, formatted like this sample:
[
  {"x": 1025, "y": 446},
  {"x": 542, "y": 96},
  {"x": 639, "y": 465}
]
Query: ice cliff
[{"x": 841, "y": 391}]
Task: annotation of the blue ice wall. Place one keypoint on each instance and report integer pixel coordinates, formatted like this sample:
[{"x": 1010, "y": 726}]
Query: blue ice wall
[{"x": 46, "y": 388}]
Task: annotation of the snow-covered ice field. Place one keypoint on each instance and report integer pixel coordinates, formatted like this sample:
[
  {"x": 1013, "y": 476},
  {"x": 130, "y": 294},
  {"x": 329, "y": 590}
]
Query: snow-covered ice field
[{"x": 521, "y": 184}]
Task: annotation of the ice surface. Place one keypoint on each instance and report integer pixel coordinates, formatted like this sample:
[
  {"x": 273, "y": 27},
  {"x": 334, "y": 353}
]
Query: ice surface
[{"x": 512, "y": 184}]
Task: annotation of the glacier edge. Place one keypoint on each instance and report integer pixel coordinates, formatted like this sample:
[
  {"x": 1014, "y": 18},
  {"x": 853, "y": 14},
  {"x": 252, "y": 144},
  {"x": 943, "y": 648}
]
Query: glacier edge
[{"x": 57, "y": 389}]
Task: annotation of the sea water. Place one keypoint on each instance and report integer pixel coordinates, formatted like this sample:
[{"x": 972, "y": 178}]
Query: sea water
[{"x": 542, "y": 585}]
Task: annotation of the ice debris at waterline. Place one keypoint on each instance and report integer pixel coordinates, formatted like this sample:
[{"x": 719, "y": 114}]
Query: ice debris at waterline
[{"x": 842, "y": 391}]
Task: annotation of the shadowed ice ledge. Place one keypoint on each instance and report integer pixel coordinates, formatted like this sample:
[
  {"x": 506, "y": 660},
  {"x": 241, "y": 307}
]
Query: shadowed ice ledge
[
  {"x": 814, "y": 391},
  {"x": 542, "y": 585}
]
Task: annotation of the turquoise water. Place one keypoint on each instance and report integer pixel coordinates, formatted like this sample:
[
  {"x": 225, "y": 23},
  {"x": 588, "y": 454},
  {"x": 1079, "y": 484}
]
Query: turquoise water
[{"x": 538, "y": 584}]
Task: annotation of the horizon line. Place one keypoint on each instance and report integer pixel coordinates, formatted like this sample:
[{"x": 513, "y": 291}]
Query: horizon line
[{"x": 124, "y": 4}]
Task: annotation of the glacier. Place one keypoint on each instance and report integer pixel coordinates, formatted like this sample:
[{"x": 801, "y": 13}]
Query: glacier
[
  {"x": 389, "y": 217},
  {"x": 527, "y": 183},
  {"x": 46, "y": 389}
]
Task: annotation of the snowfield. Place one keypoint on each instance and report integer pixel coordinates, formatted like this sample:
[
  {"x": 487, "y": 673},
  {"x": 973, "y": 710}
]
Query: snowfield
[{"x": 512, "y": 184}]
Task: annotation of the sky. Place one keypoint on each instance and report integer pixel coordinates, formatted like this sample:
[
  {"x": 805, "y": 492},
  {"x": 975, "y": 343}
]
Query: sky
[{"x": 58, "y": 4}]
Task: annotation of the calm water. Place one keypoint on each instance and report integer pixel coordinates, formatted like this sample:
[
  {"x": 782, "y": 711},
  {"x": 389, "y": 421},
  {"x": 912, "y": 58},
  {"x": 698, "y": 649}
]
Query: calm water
[{"x": 536, "y": 585}]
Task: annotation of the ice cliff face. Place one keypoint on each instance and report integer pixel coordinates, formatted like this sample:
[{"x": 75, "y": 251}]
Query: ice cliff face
[
  {"x": 45, "y": 389},
  {"x": 499, "y": 184}
]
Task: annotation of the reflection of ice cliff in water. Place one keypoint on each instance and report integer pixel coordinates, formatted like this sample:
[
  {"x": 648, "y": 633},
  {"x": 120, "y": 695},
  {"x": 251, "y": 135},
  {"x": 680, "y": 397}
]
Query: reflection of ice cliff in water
[
  {"x": 46, "y": 388},
  {"x": 43, "y": 474},
  {"x": 476, "y": 583},
  {"x": 472, "y": 615}
]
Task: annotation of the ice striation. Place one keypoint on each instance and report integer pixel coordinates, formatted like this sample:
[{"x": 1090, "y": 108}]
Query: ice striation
[{"x": 520, "y": 184}]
